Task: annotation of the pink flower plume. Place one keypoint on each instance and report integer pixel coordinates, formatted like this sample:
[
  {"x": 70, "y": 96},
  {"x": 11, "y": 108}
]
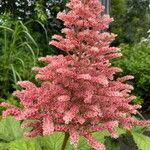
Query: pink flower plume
[{"x": 78, "y": 92}]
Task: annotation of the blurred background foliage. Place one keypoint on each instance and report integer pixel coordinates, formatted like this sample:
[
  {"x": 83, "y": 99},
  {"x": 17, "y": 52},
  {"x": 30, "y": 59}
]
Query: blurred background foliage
[
  {"x": 136, "y": 61},
  {"x": 131, "y": 20},
  {"x": 26, "y": 27}
]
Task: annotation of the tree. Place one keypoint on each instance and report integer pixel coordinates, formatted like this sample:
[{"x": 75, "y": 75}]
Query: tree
[
  {"x": 131, "y": 20},
  {"x": 118, "y": 10}
]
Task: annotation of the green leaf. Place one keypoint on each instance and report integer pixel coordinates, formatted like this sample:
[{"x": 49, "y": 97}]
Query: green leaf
[
  {"x": 6, "y": 28},
  {"x": 24, "y": 144},
  {"x": 121, "y": 131},
  {"x": 30, "y": 37},
  {"x": 142, "y": 141},
  {"x": 100, "y": 136},
  {"x": 139, "y": 129},
  {"x": 10, "y": 129},
  {"x": 112, "y": 144},
  {"x": 51, "y": 142},
  {"x": 55, "y": 141},
  {"x": 82, "y": 145}
]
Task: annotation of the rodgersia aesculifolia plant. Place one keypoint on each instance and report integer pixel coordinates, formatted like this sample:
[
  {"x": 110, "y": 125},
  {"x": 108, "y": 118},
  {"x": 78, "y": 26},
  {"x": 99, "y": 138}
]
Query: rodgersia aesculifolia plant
[{"x": 78, "y": 94}]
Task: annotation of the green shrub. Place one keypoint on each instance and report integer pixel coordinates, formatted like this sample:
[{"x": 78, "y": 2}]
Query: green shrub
[{"x": 136, "y": 61}]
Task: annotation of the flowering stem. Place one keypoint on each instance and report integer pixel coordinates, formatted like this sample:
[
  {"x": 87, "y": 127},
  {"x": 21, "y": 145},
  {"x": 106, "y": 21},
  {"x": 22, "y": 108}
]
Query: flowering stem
[{"x": 65, "y": 141}]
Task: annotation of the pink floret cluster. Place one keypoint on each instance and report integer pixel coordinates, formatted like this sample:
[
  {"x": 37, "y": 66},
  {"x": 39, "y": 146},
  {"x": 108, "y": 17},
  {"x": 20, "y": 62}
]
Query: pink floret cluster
[{"x": 78, "y": 93}]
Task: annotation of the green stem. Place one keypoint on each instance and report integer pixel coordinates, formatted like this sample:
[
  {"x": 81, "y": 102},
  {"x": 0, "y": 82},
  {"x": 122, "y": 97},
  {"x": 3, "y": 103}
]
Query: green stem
[
  {"x": 140, "y": 115},
  {"x": 65, "y": 141}
]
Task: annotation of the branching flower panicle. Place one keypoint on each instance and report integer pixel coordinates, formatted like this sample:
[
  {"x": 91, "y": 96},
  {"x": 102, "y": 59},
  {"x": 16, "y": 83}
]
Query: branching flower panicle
[{"x": 79, "y": 94}]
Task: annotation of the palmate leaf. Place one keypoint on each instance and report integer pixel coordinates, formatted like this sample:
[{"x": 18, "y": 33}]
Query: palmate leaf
[
  {"x": 138, "y": 129},
  {"x": 51, "y": 142},
  {"x": 112, "y": 144},
  {"x": 121, "y": 131},
  {"x": 100, "y": 136},
  {"x": 83, "y": 145},
  {"x": 24, "y": 144},
  {"x": 10, "y": 129},
  {"x": 55, "y": 141},
  {"x": 142, "y": 141},
  {"x": 11, "y": 132}
]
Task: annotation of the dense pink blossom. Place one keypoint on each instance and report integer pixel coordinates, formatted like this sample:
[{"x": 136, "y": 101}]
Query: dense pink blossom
[{"x": 78, "y": 92}]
